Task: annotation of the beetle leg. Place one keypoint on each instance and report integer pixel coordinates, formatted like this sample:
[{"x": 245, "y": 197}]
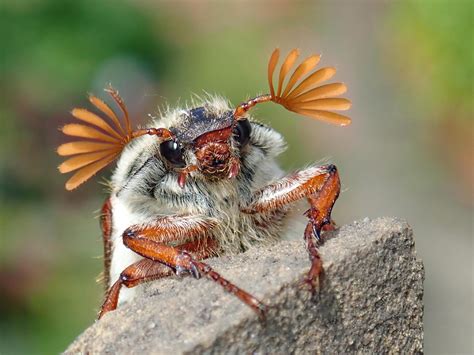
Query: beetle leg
[
  {"x": 183, "y": 262},
  {"x": 146, "y": 270},
  {"x": 151, "y": 241},
  {"x": 106, "y": 227},
  {"x": 142, "y": 271},
  {"x": 321, "y": 186}
]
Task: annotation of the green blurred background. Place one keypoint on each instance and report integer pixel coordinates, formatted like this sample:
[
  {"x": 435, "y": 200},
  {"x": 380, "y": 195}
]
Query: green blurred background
[{"x": 408, "y": 153}]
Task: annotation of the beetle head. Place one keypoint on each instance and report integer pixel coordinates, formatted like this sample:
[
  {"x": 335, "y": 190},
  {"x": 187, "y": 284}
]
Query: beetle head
[{"x": 209, "y": 141}]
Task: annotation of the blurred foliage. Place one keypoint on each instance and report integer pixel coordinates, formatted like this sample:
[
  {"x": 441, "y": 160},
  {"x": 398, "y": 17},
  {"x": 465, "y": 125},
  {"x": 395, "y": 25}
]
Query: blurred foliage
[
  {"x": 48, "y": 293},
  {"x": 53, "y": 47},
  {"x": 430, "y": 49},
  {"x": 55, "y": 51},
  {"x": 50, "y": 54},
  {"x": 428, "y": 44}
]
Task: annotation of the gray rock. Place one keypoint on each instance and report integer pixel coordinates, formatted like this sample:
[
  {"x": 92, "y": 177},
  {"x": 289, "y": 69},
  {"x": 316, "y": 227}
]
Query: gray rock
[{"x": 370, "y": 301}]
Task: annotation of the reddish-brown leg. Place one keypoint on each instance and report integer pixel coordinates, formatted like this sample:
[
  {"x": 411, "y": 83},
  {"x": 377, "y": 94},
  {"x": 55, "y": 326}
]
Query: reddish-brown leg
[
  {"x": 150, "y": 241},
  {"x": 182, "y": 262},
  {"x": 146, "y": 270},
  {"x": 329, "y": 227},
  {"x": 177, "y": 229},
  {"x": 321, "y": 186},
  {"x": 106, "y": 226},
  {"x": 139, "y": 272}
]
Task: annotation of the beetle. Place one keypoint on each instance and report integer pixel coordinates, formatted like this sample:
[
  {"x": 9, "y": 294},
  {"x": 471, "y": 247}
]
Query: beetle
[{"x": 203, "y": 181}]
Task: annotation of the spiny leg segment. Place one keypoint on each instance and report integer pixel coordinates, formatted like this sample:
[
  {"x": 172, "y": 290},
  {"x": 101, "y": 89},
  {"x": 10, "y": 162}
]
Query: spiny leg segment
[
  {"x": 106, "y": 227},
  {"x": 142, "y": 271},
  {"x": 321, "y": 186}
]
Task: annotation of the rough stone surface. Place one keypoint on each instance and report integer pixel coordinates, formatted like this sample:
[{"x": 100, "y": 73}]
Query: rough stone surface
[{"x": 370, "y": 301}]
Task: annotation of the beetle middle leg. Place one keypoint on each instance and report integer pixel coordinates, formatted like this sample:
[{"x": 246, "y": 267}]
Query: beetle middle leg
[
  {"x": 320, "y": 185},
  {"x": 142, "y": 271}
]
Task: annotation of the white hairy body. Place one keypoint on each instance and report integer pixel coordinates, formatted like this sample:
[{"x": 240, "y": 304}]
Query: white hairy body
[{"x": 143, "y": 189}]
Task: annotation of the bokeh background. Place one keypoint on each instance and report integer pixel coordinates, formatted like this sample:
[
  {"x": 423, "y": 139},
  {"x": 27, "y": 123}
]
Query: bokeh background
[{"x": 408, "y": 153}]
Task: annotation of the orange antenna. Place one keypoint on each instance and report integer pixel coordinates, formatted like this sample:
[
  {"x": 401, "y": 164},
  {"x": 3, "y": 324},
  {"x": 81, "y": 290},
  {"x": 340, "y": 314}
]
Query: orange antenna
[
  {"x": 104, "y": 142},
  {"x": 308, "y": 98}
]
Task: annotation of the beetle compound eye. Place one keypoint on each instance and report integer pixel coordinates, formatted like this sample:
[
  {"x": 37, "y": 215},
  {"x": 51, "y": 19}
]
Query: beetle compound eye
[
  {"x": 172, "y": 152},
  {"x": 242, "y": 132}
]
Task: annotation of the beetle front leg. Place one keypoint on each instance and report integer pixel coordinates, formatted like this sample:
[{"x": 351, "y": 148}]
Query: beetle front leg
[
  {"x": 183, "y": 262},
  {"x": 151, "y": 241},
  {"x": 146, "y": 270},
  {"x": 321, "y": 186},
  {"x": 176, "y": 229}
]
